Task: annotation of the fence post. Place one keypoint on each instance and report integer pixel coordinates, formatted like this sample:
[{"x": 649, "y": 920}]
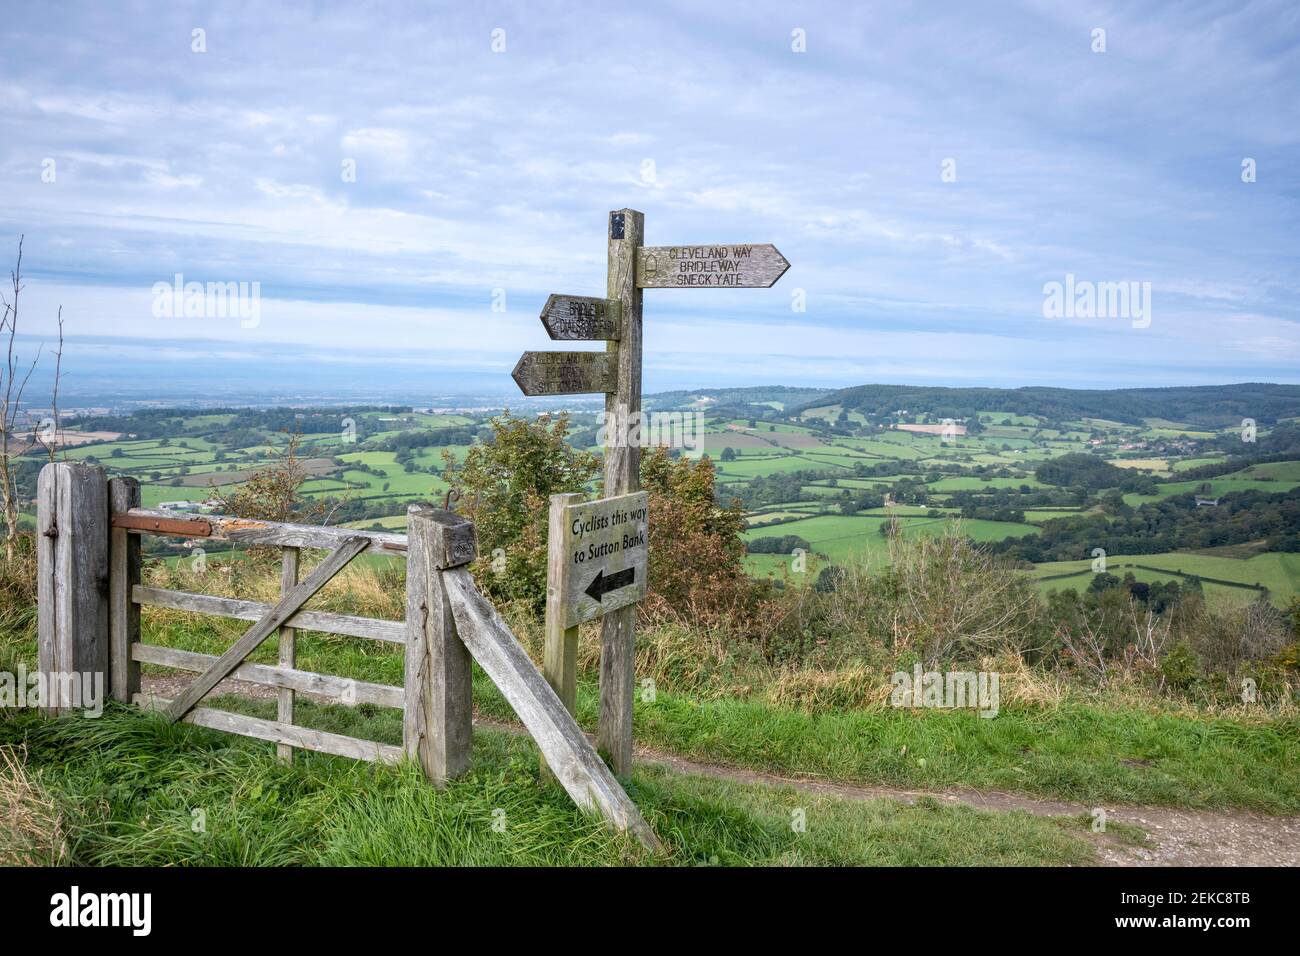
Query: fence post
[
  {"x": 123, "y": 576},
  {"x": 438, "y": 721},
  {"x": 560, "y": 660},
  {"x": 72, "y": 584}
]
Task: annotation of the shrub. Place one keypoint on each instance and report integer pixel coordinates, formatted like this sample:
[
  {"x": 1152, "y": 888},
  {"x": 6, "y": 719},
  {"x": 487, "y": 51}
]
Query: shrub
[
  {"x": 506, "y": 483},
  {"x": 697, "y": 569},
  {"x": 1181, "y": 667},
  {"x": 1226, "y": 636}
]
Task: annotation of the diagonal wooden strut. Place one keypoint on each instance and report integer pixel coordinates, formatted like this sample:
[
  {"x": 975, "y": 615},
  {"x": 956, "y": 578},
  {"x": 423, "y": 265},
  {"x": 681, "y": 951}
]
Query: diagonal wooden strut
[
  {"x": 284, "y": 609},
  {"x": 567, "y": 752}
]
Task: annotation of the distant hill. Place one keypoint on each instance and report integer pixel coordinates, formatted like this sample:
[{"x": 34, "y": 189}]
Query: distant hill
[
  {"x": 708, "y": 399},
  {"x": 1210, "y": 405}
]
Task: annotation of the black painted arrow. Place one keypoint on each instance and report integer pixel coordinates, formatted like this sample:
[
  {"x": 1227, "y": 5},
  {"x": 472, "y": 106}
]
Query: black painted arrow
[{"x": 601, "y": 585}]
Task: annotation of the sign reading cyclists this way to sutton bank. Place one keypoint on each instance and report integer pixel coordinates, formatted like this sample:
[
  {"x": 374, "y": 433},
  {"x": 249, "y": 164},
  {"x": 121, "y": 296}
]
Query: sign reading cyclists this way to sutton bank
[
  {"x": 604, "y": 550},
  {"x": 597, "y": 566}
]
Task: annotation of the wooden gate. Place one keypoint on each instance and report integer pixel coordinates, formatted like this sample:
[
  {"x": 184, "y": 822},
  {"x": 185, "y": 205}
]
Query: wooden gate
[{"x": 90, "y": 595}]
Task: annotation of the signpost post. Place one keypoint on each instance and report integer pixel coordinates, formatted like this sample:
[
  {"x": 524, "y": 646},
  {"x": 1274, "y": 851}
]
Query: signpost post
[{"x": 597, "y": 550}]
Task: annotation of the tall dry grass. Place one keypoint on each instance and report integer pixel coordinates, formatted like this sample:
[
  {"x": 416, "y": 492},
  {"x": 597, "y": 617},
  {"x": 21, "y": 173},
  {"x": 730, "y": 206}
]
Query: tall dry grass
[{"x": 31, "y": 827}]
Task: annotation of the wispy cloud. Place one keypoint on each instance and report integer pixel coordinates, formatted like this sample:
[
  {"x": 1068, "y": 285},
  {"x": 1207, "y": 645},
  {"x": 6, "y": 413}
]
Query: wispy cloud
[{"x": 925, "y": 174}]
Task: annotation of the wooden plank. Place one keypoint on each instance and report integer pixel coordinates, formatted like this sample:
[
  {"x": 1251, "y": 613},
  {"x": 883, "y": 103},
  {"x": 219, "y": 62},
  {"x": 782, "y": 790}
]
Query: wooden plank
[
  {"x": 437, "y": 724},
  {"x": 581, "y": 318},
  {"x": 755, "y": 266},
  {"x": 564, "y": 373},
  {"x": 260, "y": 631},
  {"x": 123, "y": 576},
  {"x": 301, "y": 737},
  {"x": 72, "y": 583},
  {"x": 560, "y": 658},
  {"x": 287, "y": 649},
  {"x": 344, "y": 689},
  {"x": 603, "y": 555},
  {"x": 274, "y": 533},
  {"x": 326, "y": 622},
  {"x": 566, "y": 750},
  {"x": 622, "y": 476}
]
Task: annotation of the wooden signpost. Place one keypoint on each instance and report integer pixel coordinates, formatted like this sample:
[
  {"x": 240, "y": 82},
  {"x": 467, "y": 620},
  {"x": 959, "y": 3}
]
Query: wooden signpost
[
  {"x": 581, "y": 318},
  {"x": 564, "y": 373},
  {"x": 597, "y": 550},
  {"x": 603, "y": 546},
  {"x": 709, "y": 267}
]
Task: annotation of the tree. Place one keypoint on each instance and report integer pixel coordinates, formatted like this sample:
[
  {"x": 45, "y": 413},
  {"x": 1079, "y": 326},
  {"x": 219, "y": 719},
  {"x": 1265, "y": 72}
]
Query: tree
[
  {"x": 505, "y": 483},
  {"x": 271, "y": 493},
  {"x": 728, "y": 454},
  {"x": 697, "y": 555},
  {"x": 11, "y": 400}
]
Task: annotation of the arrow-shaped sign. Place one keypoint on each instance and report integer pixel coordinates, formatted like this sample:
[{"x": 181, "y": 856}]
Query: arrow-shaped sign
[
  {"x": 709, "y": 267},
  {"x": 581, "y": 318},
  {"x": 565, "y": 373},
  {"x": 603, "y": 583}
]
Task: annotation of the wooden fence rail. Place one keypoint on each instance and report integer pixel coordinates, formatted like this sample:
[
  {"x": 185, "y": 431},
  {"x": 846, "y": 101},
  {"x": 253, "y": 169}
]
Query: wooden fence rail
[{"x": 90, "y": 595}]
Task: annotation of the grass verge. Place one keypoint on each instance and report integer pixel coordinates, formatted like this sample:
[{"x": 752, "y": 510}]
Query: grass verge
[{"x": 130, "y": 789}]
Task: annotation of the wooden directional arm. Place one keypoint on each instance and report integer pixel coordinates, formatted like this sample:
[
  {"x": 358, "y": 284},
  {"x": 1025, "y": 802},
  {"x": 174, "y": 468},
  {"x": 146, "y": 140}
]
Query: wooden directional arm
[{"x": 284, "y": 609}]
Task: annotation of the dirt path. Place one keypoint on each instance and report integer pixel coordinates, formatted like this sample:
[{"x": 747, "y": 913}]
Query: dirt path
[{"x": 1177, "y": 837}]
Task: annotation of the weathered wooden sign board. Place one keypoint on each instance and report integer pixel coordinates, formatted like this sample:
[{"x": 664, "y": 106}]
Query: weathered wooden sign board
[
  {"x": 565, "y": 373},
  {"x": 581, "y": 318},
  {"x": 604, "y": 556},
  {"x": 709, "y": 267},
  {"x": 609, "y": 577}
]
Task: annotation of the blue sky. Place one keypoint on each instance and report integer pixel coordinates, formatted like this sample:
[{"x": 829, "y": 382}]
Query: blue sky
[{"x": 479, "y": 170}]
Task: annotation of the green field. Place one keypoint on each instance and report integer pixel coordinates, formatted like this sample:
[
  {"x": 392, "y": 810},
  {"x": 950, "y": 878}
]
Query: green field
[{"x": 1278, "y": 572}]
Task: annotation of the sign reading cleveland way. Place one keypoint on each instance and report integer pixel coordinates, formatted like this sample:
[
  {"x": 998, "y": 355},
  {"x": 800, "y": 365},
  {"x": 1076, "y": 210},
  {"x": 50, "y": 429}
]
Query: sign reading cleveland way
[
  {"x": 604, "y": 551},
  {"x": 564, "y": 373},
  {"x": 709, "y": 267}
]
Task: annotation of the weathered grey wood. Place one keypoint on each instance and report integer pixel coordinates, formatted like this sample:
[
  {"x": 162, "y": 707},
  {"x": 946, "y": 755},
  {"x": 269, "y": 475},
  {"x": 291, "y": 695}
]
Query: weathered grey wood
[
  {"x": 437, "y": 723},
  {"x": 123, "y": 576},
  {"x": 564, "y": 373},
  {"x": 581, "y": 318},
  {"x": 560, "y": 657},
  {"x": 456, "y": 541},
  {"x": 603, "y": 555},
  {"x": 259, "y": 632},
  {"x": 344, "y": 689},
  {"x": 288, "y": 648},
  {"x": 622, "y": 476},
  {"x": 709, "y": 267},
  {"x": 248, "y": 531},
  {"x": 566, "y": 750},
  {"x": 326, "y": 622},
  {"x": 301, "y": 737},
  {"x": 72, "y": 582}
]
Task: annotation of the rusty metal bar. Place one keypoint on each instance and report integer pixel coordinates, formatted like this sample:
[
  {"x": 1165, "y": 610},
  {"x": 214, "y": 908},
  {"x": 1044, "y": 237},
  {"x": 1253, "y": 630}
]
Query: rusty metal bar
[{"x": 185, "y": 527}]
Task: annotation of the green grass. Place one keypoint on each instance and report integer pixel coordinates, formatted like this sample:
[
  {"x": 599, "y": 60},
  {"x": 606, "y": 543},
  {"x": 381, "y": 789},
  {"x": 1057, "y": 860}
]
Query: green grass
[
  {"x": 1277, "y": 571},
  {"x": 1072, "y": 752},
  {"x": 132, "y": 789},
  {"x": 840, "y": 537}
]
